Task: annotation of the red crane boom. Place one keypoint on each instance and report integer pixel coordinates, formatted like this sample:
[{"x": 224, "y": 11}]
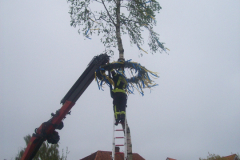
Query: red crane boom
[{"x": 46, "y": 131}]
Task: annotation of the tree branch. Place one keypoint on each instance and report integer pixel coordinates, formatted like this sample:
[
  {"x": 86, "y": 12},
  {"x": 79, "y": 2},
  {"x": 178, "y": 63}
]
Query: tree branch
[
  {"x": 103, "y": 19},
  {"x": 108, "y": 13},
  {"x": 125, "y": 20}
]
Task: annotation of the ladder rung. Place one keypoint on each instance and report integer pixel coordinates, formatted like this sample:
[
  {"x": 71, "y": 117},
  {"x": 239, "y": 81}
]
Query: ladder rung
[
  {"x": 119, "y": 130},
  {"x": 119, "y": 137},
  {"x": 119, "y": 145},
  {"x": 119, "y": 153}
]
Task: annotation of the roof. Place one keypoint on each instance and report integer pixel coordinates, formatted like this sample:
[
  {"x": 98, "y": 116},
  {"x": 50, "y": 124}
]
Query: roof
[
  {"x": 107, "y": 155},
  {"x": 231, "y": 157}
]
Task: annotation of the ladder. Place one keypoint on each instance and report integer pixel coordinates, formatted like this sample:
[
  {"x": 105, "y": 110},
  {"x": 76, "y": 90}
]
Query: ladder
[{"x": 122, "y": 141}]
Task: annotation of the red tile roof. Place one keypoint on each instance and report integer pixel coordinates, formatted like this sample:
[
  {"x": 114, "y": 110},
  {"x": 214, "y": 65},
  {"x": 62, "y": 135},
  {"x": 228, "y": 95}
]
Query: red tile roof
[
  {"x": 231, "y": 157},
  {"x": 107, "y": 155}
]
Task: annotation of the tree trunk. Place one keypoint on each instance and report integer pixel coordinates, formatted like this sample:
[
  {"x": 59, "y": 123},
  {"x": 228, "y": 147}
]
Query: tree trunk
[{"x": 118, "y": 33}]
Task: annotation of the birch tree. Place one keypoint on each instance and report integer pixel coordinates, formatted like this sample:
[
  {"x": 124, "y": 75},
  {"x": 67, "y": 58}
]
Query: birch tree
[{"x": 111, "y": 19}]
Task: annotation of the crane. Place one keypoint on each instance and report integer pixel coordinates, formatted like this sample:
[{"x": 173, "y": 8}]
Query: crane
[{"x": 47, "y": 130}]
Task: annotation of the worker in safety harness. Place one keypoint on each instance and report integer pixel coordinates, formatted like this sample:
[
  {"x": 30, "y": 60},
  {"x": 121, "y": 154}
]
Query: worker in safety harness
[{"x": 119, "y": 95}]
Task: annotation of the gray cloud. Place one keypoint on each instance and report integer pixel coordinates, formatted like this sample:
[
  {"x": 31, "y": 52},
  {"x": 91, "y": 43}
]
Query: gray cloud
[{"x": 193, "y": 110}]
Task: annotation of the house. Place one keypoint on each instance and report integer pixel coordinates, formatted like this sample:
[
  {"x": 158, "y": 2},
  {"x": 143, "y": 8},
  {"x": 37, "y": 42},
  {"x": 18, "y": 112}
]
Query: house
[
  {"x": 231, "y": 157},
  {"x": 107, "y": 155}
]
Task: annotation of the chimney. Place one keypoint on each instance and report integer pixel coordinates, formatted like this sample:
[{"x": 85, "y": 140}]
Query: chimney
[{"x": 117, "y": 149}]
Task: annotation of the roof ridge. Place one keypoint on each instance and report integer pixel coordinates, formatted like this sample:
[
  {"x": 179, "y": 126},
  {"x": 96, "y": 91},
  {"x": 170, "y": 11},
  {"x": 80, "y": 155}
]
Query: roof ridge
[
  {"x": 96, "y": 155},
  {"x": 107, "y": 155}
]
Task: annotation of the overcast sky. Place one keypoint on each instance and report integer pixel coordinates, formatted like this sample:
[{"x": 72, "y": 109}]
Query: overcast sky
[{"x": 195, "y": 109}]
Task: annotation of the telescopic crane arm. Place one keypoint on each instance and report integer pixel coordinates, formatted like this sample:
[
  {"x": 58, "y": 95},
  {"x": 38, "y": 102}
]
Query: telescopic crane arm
[{"x": 46, "y": 131}]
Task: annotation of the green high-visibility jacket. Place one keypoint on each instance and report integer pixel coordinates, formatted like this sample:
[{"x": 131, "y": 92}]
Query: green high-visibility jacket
[{"x": 120, "y": 83}]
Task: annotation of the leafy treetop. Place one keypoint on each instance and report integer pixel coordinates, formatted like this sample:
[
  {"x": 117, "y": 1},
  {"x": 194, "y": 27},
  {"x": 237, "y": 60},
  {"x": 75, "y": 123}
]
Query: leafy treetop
[{"x": 113, "y": 18}]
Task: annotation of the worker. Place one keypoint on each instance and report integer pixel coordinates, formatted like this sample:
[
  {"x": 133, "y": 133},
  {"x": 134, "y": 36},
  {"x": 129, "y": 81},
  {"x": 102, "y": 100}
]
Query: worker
[{"x": 119, "y": 95}]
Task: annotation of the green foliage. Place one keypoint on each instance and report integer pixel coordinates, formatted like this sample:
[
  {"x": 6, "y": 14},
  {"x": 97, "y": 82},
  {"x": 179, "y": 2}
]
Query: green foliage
[
  {"x": 113, "y": 18},
  {"x": 213, "y": 157},
  {"x": 46, "y": 151}
]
